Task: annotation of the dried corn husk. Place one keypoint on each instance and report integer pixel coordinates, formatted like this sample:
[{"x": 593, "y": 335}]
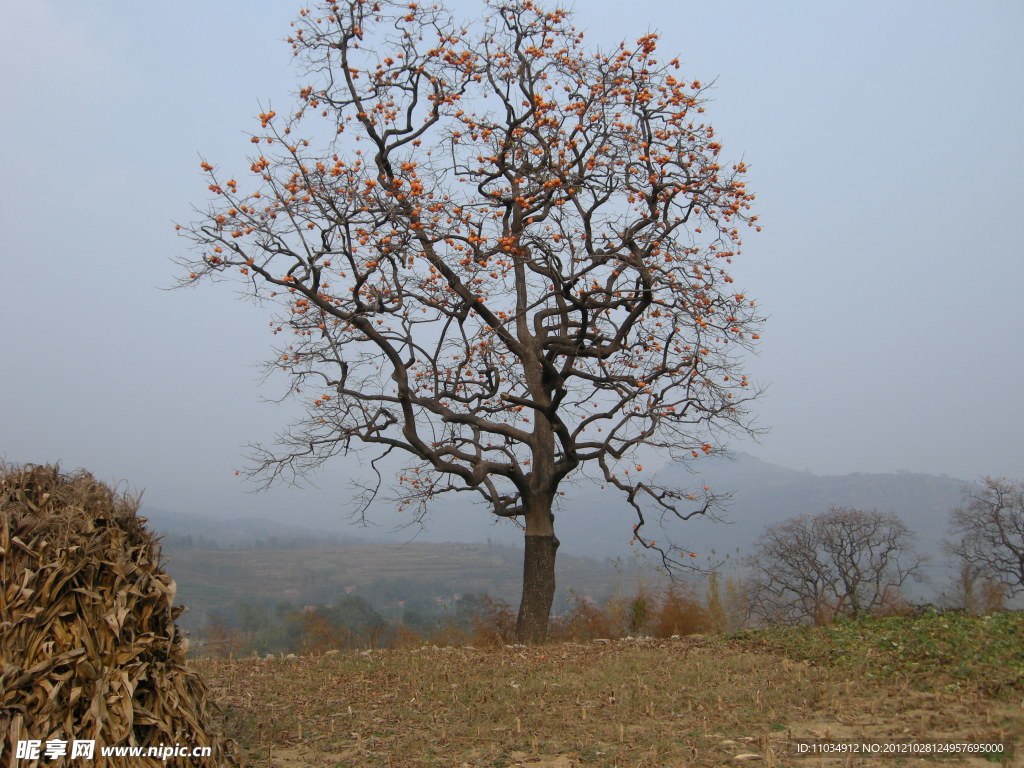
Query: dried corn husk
[{"x": 89, "y": 648}]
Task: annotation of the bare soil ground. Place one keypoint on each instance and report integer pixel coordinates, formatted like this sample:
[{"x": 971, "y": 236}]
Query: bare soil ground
[{"x": 696, "y": 701}]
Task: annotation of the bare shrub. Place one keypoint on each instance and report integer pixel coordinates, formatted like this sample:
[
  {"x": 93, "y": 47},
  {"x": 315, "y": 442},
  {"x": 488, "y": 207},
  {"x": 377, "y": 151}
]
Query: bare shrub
[
  {"x": 977, "y": 591},
  {"x": 403, "y": 637},
  {"x": 220, "y": 638},
  {"x": 679, "y": 612},
  {"x": 675, "y": 611},
  {"x": 588, "y": 620},
  {"x": 320, "y": 632},
  {"x": 496, "y": 626}
]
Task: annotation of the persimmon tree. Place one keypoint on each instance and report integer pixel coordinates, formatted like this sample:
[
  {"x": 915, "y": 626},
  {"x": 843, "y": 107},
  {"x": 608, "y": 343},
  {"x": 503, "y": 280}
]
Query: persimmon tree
[{"x": 497, "y": 254}]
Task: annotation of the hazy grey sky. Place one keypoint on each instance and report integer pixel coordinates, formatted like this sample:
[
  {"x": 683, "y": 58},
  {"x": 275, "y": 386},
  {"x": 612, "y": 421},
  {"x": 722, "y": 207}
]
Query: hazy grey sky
[{"x": 885, "y": 141}]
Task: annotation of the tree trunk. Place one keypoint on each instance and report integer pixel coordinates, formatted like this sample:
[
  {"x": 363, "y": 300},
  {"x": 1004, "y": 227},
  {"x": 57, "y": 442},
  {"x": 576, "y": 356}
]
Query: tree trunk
[{"x": 538, "y": 588}]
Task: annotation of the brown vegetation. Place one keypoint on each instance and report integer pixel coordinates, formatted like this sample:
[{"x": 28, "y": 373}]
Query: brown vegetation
[
  {"x": 487, "y": 622},
  {"x": 89, "y": 648}
]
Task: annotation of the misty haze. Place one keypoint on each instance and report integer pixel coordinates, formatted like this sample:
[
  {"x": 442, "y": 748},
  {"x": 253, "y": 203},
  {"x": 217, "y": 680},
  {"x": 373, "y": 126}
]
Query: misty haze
[{"x": 502, "y": 384}]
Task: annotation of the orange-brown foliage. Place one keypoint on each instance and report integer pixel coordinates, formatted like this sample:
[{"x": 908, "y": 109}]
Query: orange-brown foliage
[{"x": 675, "y": 611}]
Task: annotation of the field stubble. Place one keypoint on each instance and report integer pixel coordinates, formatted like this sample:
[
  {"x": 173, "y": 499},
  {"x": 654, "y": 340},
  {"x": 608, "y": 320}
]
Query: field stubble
[{"x": 699, "y": 700}]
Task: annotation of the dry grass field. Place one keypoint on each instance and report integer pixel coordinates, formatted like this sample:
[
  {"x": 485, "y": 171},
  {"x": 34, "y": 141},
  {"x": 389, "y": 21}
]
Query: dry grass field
[{"x": 699, "y": 700}]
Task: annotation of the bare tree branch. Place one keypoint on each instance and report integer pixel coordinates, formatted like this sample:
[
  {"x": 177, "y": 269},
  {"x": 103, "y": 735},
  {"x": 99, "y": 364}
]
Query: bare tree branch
[{"x": 988, "y": 533}]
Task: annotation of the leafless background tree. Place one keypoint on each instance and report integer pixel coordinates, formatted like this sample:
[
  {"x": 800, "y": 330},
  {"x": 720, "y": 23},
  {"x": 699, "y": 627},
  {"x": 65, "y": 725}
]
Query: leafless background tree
[
  {"x": 842, "y": 562},
  {"x": 987, "y": 533}
]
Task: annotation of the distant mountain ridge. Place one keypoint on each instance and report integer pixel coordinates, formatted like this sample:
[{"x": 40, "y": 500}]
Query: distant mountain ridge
[
  {"x": 764, "y": 494},
  {"x": 598, "y": 524},
  {"x": 238, "y": 533}
]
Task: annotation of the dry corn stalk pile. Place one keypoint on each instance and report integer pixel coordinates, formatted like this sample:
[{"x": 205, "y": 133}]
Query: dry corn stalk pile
[{"x": 89, "y": 648}]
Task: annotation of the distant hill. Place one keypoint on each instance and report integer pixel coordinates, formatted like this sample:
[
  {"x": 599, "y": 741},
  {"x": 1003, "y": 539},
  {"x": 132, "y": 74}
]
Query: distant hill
[
  {"x": 598, "y": 524},
  {"x": 763, "y": 494},
  {"x": 184, "y": 530}
]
